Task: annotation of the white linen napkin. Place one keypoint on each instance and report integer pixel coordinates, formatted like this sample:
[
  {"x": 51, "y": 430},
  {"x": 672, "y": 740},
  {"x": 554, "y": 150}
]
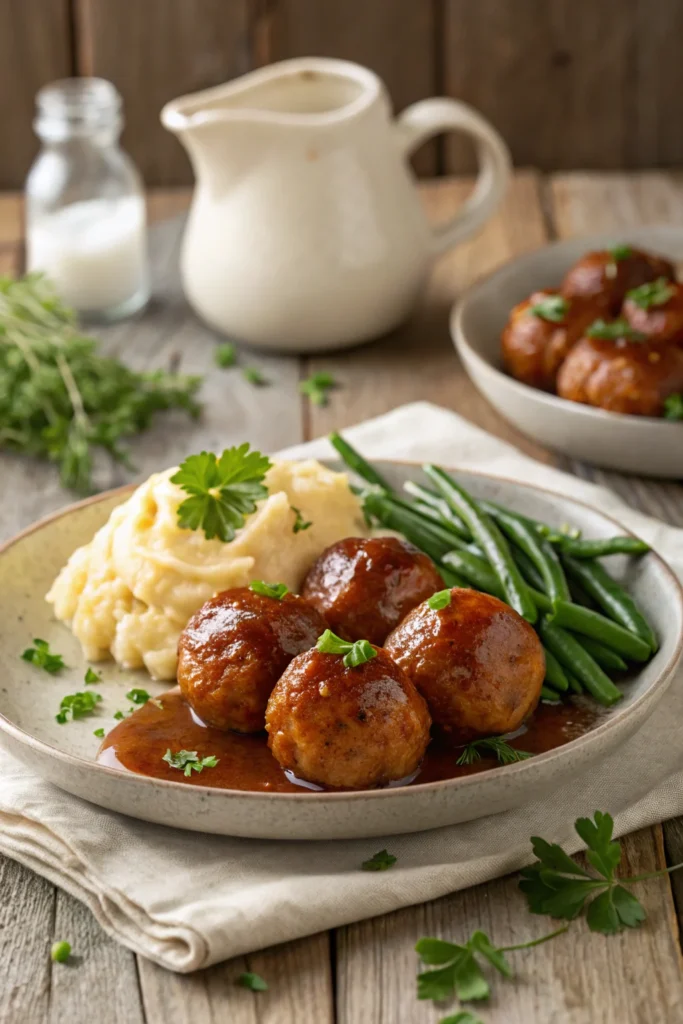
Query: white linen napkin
[{"x": 187, "y": 900}]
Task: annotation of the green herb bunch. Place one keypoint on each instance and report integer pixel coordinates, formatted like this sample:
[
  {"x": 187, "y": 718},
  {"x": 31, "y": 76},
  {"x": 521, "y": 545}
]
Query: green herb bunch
[{"x": 59, "y": 398}]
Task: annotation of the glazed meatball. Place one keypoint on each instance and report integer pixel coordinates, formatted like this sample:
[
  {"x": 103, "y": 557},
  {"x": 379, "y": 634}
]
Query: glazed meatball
[
  {"x": 235, "y": 648},
  {"x": 656, "y": 311},
  {"x": 477, "y": 663},
  {"x": 606, "y": 275},
  {"x": 622, "y": 376},
  {"x": 351, "y": 728},
  {"x": 365, "y": 587},
  {"x": 534, "y": 346}
]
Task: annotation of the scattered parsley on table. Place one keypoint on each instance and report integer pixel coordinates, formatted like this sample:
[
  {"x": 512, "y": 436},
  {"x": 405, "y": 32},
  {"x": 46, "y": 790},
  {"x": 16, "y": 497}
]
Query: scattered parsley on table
[
  {"x": 381, "y": 861},
  {"x": 252, "y": 981},
  {"x": 317, "y": 387}
]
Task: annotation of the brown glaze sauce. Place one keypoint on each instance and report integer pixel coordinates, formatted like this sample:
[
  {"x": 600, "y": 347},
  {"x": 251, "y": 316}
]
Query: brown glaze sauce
[{"x": 139, "y": 743}]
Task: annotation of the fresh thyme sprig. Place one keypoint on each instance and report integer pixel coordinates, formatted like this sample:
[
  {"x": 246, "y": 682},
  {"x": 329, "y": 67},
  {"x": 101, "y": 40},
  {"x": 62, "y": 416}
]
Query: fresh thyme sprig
[
  {"x": 60, "y": 399},
  {"x": 494, "y": 745}
]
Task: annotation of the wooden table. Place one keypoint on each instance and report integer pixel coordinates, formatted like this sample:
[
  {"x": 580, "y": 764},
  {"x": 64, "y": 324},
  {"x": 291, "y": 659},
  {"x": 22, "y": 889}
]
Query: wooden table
[{"x": 363, "y": 973}]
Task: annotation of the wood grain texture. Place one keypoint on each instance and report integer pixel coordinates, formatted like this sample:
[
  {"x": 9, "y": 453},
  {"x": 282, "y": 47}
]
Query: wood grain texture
[
  {"x": 35, "y": 48},
  {"x": 154, "y": 51},
  {"x": 554, "y": 76},
  {"x": 578, "y": 978},
  {"x": 418, "y": 361},
  {"x": 27, "y": 910},
  {"x": 298, "y": 975},
  {"x": 396, "y": 38}
]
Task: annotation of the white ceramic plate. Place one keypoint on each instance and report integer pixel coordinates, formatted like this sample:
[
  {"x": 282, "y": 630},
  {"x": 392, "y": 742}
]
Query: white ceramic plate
[
  {"x": 632, "y": 444},
  {"x": 65, "y": 753}
]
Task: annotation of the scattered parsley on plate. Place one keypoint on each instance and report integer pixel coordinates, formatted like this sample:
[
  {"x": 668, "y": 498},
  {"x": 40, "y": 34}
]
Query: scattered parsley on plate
[
  {"x": 654, "y": 293},
  {"x": 188, "y": 761},
  {"x": 77, "y": 705},
  {"x": 381, "y": 861},
  {"x": 354, "y": 654},
  {"x": 138, "y": 696},
  {"x": 553, "y": 308},
  {"x": 494, "y": 745},
  {"x": 613, "y": 330},
  {"x": 41, "y": 656},
  {"x": 299, "y": 522},
  {"x": 275, "y": 590},
  {"x": 673, "y": 407},
  {"x": 91, "y": 676},
  {"x": 222, "y": 491},
  {"x": 440, "y": 600},
  {"x": 99, "y": 733}
]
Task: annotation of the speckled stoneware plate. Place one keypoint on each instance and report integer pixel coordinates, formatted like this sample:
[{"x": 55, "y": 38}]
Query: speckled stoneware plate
[
  {"x": 631, "y": 444},
  {"x": 65, "y": 754}
]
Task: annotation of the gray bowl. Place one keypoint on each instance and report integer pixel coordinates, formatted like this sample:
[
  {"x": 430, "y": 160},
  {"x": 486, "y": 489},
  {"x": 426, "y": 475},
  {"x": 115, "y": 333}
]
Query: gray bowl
[
  {"x": 65, "y": 754},
  {"x": 631, "y": 444}
]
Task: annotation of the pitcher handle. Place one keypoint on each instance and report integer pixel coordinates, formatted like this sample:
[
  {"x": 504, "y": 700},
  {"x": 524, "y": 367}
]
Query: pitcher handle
[{"x": 431, "y": 117}]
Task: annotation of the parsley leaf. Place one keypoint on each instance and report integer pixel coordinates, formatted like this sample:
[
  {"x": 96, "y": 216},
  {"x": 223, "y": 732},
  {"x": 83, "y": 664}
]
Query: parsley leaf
[
  {"x": 99, "y": 733},
  {"x": 222, "y": 491},
  {"x": 494, "y": 745},
  {"x": 613, "y": 331},
  {"x": 620, "y": 252},
  {"x": 91, "y": 676},
  {"x": 354, "y": 654},
  {"x": 673, "y": 407},
  {"x": 252, "y": 981},
  {"x": 275, "y": 590},
  {"x": 77, "y": 705},
  {"x": 317, "y": 386},
  {"x": 120, "y": 715},
  {"x": 440, "y": 600},
  {"x": 137, "y": 696},
  {"x": 255, "y": 377},
  {"x": 553, "y": 308},
  {"x": 381, "y": 861},
  {"x": 41, "y": 656},
  {"x": 299, "y": 522},
  {"x": 188, "y": 761},
  {"x": 225, "y": 355},
  {"x": 654, "y": 293}
]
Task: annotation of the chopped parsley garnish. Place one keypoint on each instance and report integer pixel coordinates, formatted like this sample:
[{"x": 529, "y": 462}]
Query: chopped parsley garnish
[
  {"x": 317, "y": 386},
  {"x": 553, "y": 308},
  {"x": 252, "y": 981},
  {"x": 120, "y": 715},
  {"x": 222, "y": 490},
  {"x": 275, "y": 590},
  {"x": 381, "y": 861},
  {"x": 299, "y": 523},
  {"x": 138, "y": 696},
  {"x": 91, "y": 676},
  {"x": 254, "y": 376},
  {"x": 673, "y": 407},
  {"x": 99, "y": 733},
  {"x": 654, "y": 293},
  {"x": 188, "y": 761},
  {"x": 225, "y": 355},
  {"x": 613, "y": 330},
  {"x": 440, "y": 600},
  {"x": 620, "y": 252},
  {"x": 492, "y": 745},
  {"x": 41, "y": 656},
  {"x": 77, "y": 705},
  {"x": 60, "y": 952},
  {"x": 354, "y": 654}
]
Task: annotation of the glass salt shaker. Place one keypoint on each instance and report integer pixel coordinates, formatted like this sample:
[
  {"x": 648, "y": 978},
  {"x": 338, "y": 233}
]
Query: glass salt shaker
[{"x": 85, "y": 205}]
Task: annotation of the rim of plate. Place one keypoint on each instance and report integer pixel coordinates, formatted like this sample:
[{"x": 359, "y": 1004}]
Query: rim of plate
[
  {"x": 214, "y": 792},
  {"x": 509, "y": 269}
]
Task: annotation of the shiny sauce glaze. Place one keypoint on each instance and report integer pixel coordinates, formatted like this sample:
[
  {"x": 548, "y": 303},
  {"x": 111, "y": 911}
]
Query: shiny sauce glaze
[{"x": 138, "y": 744}]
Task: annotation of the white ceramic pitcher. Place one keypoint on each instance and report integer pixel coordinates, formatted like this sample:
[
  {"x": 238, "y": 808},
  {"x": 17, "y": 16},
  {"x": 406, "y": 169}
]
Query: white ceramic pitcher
[{"x": 306, "y": 230}]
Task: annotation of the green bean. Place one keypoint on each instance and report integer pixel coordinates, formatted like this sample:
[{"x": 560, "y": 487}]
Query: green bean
[
  {"x": 580, "y": 548},
  {"x": 431, "y": 538},
  {"x": 605, "y": 656},
  {"x": 450, "y": 521},
  {"x": 355, "y": 461},
  {"x": 611, "y": 597},
  {"x": 571, "y": 654},
  {"x": 554, "y": 673},
  {"x": 452, "y": 579},
  {"x": 580, "y": 596},
  {"x": 428, "y": 498},
  {"x": 550, "y": 695},
  {"x": 593, "y": 624},
  {"x": 528, "y": 569},
  {"x": 539, "y": 551},
  {"x": 487, "y": 534},
  {"x": 574, "y": 684},
  {"x": 492, "y": 508},
  {"x": 475, "y": 570}
]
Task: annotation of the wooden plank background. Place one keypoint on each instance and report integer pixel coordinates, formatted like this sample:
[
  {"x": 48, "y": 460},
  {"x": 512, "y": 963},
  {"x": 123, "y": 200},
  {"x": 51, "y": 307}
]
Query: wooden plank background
[{"x": 569, "y": 83}]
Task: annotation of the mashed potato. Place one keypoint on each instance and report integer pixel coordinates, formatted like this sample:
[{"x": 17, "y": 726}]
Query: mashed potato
[{"x": 129, "y": 592}]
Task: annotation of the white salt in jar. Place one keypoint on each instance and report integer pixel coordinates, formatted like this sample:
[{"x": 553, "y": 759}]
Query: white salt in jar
[{"x": 85, "y": 207}]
